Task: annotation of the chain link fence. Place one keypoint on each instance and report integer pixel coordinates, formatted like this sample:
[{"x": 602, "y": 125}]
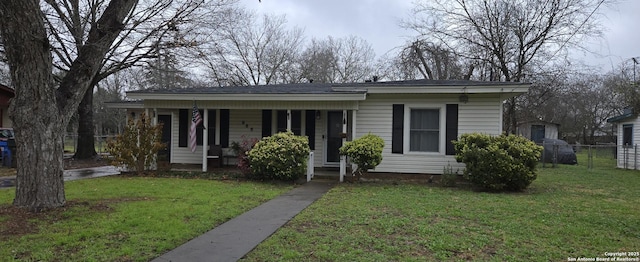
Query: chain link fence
[
  {"x": 628, "y": 157},
  {"x": 604, "y": 155},
  {"x": 71, "y": 143}
]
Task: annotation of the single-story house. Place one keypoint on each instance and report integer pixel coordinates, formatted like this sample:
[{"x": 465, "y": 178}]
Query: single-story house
[
  {"x": 538, "y": 130},
  {"x": 417, "y": 119},
  {"x": 628, "y": 124},
  {"x": 6, "y": 93}
]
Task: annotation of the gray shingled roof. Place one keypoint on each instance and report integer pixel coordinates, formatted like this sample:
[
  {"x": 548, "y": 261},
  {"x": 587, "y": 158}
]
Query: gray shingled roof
[{"x": 318, "y": 88}]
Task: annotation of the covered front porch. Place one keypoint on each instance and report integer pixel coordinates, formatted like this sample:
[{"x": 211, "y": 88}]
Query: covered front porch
[{"x": 327, "y": 124}]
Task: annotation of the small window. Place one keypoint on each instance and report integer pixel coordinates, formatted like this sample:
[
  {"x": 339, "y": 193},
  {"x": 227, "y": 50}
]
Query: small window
[
  {"x": 424, "y": 130},
  {"x": 627, "y": 135},
  {"x": 296, "y": 121}
]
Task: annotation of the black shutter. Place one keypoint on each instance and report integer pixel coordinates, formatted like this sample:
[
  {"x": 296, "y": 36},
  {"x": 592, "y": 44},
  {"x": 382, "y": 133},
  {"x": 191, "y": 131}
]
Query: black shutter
[
  {"x": 211, "y": 129},
  {"x": 183, "y": 127},
  {"x": 296, "y": 122},
  {"x": 266, "y": 123},
  {"x": 451, "y": 128},
  {"x": 310, "y": 127},
  {"x": 224, "y": 128},
  {"x": 281, "y": 121},
  {"x": 199, "y": 129},
  {"x": 397, "y": 131}
]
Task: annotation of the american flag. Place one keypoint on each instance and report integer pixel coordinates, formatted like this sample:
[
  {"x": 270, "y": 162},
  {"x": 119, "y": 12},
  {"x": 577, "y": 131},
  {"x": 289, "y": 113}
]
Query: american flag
[{"x": 196, "y": 119}]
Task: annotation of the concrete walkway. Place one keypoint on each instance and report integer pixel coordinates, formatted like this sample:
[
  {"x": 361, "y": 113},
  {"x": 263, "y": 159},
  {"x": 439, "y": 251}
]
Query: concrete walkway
[
  {"x": 72, "y": 174},
  {"x": 237, "y": 237}
]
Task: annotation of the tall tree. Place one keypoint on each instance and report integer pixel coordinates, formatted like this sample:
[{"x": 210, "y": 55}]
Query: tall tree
[
  {"x": 626, "y": 82},
  {"x": 110, "y": 121},
  {"x": 433, "y": 61},
  {"x": 155, "y": 29},
  {"x": 507, "y": 35},
  {"x": 41, "y": 108},
  {"x": 253, "y": 51},
  {"x": 337, "y": 60}
]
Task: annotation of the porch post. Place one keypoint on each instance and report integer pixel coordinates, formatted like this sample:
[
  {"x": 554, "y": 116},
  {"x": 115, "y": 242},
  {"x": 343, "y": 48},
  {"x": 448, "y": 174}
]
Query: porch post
[
  {"x": 205, "y": 140},
  {"x": 343, "y": 158},
  {"x": 353, "y": 135},
  {"x": 288, "y": 119},
  {"x": 154, "y": 116},
  {"x": 217, "y": 133}
]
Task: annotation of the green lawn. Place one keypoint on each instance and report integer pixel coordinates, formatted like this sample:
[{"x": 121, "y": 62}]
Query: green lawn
[
  {"x": 124, "y": 218},
  {"x": 568, "y": 212}
]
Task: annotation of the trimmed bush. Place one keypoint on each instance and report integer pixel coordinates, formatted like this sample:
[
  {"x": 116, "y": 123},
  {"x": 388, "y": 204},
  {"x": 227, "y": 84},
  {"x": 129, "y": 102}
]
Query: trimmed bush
[
  {"x": 282, "y": 156},
  {"x": 498, "y": 163},
  {"x": 366, "y": 152}
]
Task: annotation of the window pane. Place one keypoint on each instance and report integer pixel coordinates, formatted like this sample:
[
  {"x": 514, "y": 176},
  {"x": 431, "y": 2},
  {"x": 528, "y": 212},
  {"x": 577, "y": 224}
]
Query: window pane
[
  {"x": 424, "y": 131},
  {"x": 627, "y": 135},
  {"x": 426, "y": 141},
  {"x": 425, "y": 119}
]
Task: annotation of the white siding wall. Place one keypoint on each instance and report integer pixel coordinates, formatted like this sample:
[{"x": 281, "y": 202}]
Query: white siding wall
[
  {"x": 632, "y": 159},
  {"x": 252, "y": 127},
  {"x": 375, "y": 116},
  {"x": 480, "y": 114},
  {"x": 551, "y": 131},
  {"x": 182, "y": 155}
]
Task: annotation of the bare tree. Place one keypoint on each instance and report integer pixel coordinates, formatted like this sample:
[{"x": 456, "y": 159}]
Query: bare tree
[
  {"x": 110, "y": 121},
  {"x": 41, "y": 108},
  {"x": 337, "y": 60},
  {"x": 589, "y": 102},
  {"x": 433, "y": 61},
  {"x": 625, "y": 82},
  {"x": 252, "y": 51},
  {"x": 154, "y": 29},
  {"x": 4, "y": 67},
  {"x": 507, "y": 35}
]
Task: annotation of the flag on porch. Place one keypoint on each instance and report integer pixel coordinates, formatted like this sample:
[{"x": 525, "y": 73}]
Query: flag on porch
[{"x": 196, "y": 119}]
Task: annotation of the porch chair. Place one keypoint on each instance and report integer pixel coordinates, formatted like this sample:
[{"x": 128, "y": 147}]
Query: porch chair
[{"x": 214, "y": 156}]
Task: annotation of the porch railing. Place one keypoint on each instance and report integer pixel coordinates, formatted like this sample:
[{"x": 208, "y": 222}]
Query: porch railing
[{"x": 310, "y": 167}]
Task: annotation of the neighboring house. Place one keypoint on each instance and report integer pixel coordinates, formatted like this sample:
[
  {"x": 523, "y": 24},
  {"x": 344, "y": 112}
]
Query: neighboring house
[
  {"x": 538, "y": 130},
  {"x": 6, "y": 93},
  {"x": 628, "y": 155},
  {"x": 417, "y": 119}
]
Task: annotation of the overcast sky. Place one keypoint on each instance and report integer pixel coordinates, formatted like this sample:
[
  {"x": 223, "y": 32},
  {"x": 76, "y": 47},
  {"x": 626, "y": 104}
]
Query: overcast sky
[{"x": 377, "y": 21}]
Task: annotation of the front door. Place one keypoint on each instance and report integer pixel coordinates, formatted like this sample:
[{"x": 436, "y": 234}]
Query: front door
[
  {"x": 334, "y": 140},
  {"x": 165, "y": 154},
  {"x": 537, "y": 133}
]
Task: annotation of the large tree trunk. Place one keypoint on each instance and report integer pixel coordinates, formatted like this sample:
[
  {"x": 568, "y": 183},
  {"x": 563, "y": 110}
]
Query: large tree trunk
[
  {"x": 35, "y": 115},
  {"x": 41, "y": 109},
  {"x": 39, "y": 167},
  {"x": 86, "y": 143}
]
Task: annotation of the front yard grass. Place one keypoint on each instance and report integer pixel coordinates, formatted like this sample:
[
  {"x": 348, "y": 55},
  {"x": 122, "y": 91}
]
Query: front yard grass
[
  {"x": 125, "y": 218},
  {"x": 568, "y": 212}
]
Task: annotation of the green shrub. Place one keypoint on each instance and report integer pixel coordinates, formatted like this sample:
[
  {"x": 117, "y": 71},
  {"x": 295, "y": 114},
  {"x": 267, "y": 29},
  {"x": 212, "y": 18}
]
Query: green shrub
[
  {"x": 498, "y": 163},
  {"x": 282, "y": 156},
  {"x": 137, "y": 147},
  {"x": 366, "y": 152}
]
